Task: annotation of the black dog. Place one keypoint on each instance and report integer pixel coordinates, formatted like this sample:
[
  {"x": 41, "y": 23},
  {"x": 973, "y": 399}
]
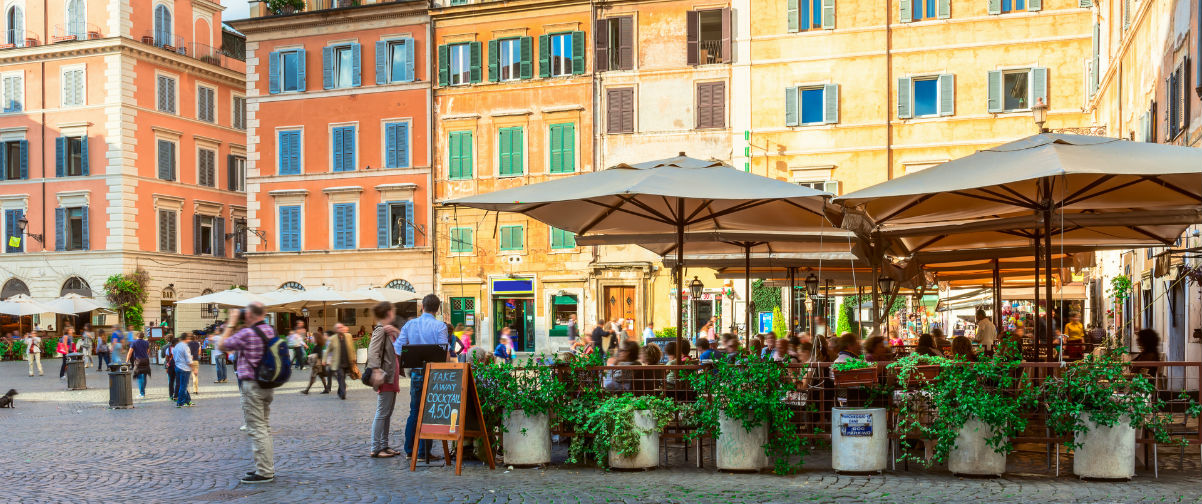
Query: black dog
[{"x": 6, "y": 400}]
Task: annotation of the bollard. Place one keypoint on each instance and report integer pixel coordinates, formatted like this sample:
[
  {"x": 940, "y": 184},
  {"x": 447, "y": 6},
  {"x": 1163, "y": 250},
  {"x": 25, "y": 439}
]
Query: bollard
[{"x": 121, "y": 387}]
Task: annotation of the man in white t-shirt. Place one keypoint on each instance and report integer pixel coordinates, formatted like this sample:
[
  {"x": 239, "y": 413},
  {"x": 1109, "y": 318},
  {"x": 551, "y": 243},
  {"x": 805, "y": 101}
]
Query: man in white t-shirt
[{"x": 986, "y": 332}]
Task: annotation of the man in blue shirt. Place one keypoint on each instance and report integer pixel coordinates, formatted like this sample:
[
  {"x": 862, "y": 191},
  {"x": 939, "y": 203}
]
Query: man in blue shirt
[{"x": 423, "y": 330}]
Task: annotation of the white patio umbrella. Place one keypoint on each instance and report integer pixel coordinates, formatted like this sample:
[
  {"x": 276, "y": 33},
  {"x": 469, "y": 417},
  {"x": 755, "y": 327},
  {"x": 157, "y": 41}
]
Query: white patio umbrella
[
  {"x": 372, "y": 295},
  {"x": 21, "y": 305},
  {"x": 230, "y": 298},
  {"x": 288, "y": 299},
  {"x": 73, "y": 303}
]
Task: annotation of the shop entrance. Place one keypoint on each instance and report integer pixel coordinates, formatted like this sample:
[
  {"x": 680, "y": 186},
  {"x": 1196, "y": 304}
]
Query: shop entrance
[
  {"x": 518, "y": 315},
  {"x": 619, "y": 304}
]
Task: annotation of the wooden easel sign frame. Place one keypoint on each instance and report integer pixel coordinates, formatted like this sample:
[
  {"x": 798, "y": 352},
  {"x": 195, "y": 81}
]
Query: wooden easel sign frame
[{"x": 450, "y": 411}]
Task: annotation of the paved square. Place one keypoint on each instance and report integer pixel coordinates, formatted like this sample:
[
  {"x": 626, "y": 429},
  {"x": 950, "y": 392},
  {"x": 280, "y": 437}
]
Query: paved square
[{"x": 64, "y": 446}]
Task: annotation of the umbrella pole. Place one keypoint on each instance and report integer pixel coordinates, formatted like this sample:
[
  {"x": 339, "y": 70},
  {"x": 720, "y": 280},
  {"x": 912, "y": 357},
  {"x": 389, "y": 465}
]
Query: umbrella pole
[
  {"x": 792, "y": 301},
  {"x": 876, "y": 310},
  {"x": 747, "y": 285},
  {"x": 1047, "y": 266},
  {"x": 679, "y": 276},
  {"x": 997, "y": 292}
]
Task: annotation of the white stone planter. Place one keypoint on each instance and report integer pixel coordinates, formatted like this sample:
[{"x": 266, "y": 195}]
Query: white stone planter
[
  {"x": 361, "y": 355},
  {"x": 527, "y": 439},
  {"x": 648, "y": 456},
  {"x": 972, "y": 454},
  {"x": 859, "y": 439},
  {"x": 739, "y": 449},
  {"x": 1105, "y": 452}
]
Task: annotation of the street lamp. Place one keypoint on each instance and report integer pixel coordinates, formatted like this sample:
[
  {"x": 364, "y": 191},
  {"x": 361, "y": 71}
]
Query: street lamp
[
  {"x": 812, "y": 285},
  {"x": 695, "y": 288},
  {"x": 1039, "y": 112},
  {"x": 886, "y": 284},
  {"x": 22, "y": 223}
]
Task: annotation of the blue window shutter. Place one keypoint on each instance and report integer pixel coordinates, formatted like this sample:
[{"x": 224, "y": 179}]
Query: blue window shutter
[
  {"x": 348, "y": 141},
  {"x": 791, "y": 118},
  {"x": 381, "y": 62},
  {"x": 356, "y": 65},
  {"x": 327, "y": 67},
  {"x": 83, "y": 155},
  {"x": 24, "y": 144},
  {"x": 904, "y": 93},
  {"x": 273, "y": 72},
  {"x": 336, "y": 150},
  {"x": 994, "y": 88},
  {"x": 337, "y": 220},
  {"x": 382, "y": 225},
  {"x": 410, "y": 76},
  {"x": 60, "y": 156},
  {"x": 60, "y": 228},
  {"x": 947, "y": 94},
  {"x": 402, "y": 145},
  {"x": 294, "y": 151},
  {"x": 390, "y": 146},
  {"x": 281, "y": 153},
  {"x": 84, "y": 218},
  {"x": 300, "y": 70},
  {"x": 830, "y": 94},
  {"x": 408, "y": 224}
]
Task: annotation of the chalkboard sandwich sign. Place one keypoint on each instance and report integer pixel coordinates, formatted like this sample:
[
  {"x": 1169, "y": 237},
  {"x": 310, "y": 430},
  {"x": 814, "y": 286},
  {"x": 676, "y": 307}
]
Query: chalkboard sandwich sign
[{"x": 450, "y": 411}]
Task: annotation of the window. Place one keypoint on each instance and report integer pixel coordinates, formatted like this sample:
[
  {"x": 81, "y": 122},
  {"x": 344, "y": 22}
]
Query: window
[
  {"x": 290, "y": 231},
  {"x": 75, "y": 19},
  {"x": 166, "y": 94},
  {"x": 394, "y": 61},
  {"x": 238, "y": 112},
  {"x": 829, "y": 186},
  {"x": 166, "y": 161},
  {"x": 204, "y": 241},
  {"x": 340, "y": 66},
  {"x": 561, "y": 54},
  {"x": 236, "y": 172},
  {"x": 708, "y": 37},
  {"x": 924, "y": 9},
  {"x": 343, "y": 149},
  {"x": 1013, "y": 5},
  {"x": 1177, "y": 95},
  {"x": 512, "y": 238},
  {"x": 927, "y": 96},
  {"x": 15, "y": 156},
  {"x": 71, "y": 228},
  {"x": 809, "y": 105},
  {"x": 460, "y": 154},
  {"x": 167, "y": 231},
  {"x": 15, "y": 21},
  {"x": 805, "y": 15},
  {"x": 619, "y": 110},
  {"x": 920, "y": 10},
  {"x": 239, "y": 237},
  {"x": 286, "y": 71},
  {"x": 711, "y": 105},
  {"x": 396, "y": 145},
  {"x": 71, "y": 156},
  {"x": 510, "y": 146},
  {"x": 394, "y": 224},
  {"x": 461, "y": 240},
  {"x": 614, "y": 40},
  {"x": 73, "y": 90},
  {"x": 162, "y": 25},
  {"x": 205, "y": 104},
  {"x": 1016, "y": 90},
  {"x": 344, "y": 226},
  {"x": 463, "y": 311},
  {"x": 563, "y": 148},
  {"x": 346, "y": 317},
  {"x": 510, "y": 59},
  {"x": 561, "y": 239},
  {"x": 460, "y": 62},
  {"x": 14, "y": 92},
  {"x": 289, "y": 152},
  {"x": 206, "y": 167},
  {"x": 12, "y": 229}
]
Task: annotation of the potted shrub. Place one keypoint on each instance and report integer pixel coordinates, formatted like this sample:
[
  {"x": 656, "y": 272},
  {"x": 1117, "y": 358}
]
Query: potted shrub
[
  {"x": 967, "y": 413},
  {"x": 744, "y": 405},
  {"x": 1100, "y": 406},
  {"x": 624, "y": 431},
  {"x": 854, "y": 372},
  {"x": 523, "y": 397}
]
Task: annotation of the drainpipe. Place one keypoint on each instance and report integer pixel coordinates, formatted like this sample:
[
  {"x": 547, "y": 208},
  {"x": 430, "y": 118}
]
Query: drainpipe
[
  {"x": 888, "y": 92},
  {"x": 431, "y": 237}
]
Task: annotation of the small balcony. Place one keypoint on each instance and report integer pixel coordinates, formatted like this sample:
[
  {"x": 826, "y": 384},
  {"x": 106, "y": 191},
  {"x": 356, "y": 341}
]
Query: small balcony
[
  {"x": 19, "y": 38},
  {"x": 203, "y": 52},
  {"x": 74, "y": 32}
]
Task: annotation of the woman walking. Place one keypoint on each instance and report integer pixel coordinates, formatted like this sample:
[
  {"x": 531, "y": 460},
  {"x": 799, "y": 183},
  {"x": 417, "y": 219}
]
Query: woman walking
[
  {"x": 380, "y": 355},
  {"x": 317, "y": 364},
  {"x": 139, "y": 357},
  {"x": 66, "y": 345},
  {"x": 103, "y": 352},
  {"x": 169, "y": 366},
  {"x": 342, "y": 358}
]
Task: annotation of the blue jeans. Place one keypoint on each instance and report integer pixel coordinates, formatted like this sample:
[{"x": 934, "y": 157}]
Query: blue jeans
[
  {"x": 172, "y": 382},
  {"x": 415, "y": 401},
  {"x": 182, "y": 396},
  {"x": 220, "y": 367},
  {"x": 102, "y": 361},
  {"x": 142, "y": 384}
]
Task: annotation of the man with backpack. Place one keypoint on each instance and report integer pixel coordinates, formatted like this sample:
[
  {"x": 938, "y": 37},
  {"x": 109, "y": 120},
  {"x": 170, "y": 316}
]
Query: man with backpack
[{"x": 253, "y": 339}]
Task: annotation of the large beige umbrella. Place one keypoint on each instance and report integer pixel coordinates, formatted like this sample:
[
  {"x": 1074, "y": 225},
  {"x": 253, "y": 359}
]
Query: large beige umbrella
[
  {"x": 294, "y": 300},
  {"x": 369, "y": 296},
  {"x": 21, "y": 305},
  {"x": 230, "y": 298},
  {"x": 73, "y": 303}
]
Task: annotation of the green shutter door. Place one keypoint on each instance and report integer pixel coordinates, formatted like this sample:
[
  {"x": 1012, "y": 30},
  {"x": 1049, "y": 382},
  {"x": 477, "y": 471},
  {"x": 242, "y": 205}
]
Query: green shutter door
[
  {"x": 994, "y": 104},
  {"x": 904, "y": 93},
  {"x": 577, "y": 53},
  {"x": 475, "y": 62},
  {"x": 493, "y": 59},
  {"x": 526, "y": 67},
  {"x": 444, "y": 65},
  {"x": 791, "y": 106},
  {"x": 544, "y": 55}
]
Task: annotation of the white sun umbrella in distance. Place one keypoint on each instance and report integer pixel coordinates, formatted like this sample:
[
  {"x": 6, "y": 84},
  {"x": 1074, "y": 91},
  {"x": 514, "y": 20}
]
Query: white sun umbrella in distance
[
  {"x": 372, "y": 295},
  {"x": 318, "y": 296},
  {"x": 21, "y": 305},
  {"x": 230, "y": 298},
  {"x": 73, "y": 303}
]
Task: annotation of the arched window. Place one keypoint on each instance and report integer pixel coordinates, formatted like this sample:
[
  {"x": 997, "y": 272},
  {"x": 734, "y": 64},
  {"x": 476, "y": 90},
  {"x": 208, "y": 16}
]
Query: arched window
[
  {"x": 401, "y": 285},
  {"x": 16, "y": 26},
  {"x": 75, "y": 19},
  {"x": 76, "y": 285},
  {"x": 162, "y": 25},
  {"x": 13, "y": 287},
  {"x": 292, "y": 285}
]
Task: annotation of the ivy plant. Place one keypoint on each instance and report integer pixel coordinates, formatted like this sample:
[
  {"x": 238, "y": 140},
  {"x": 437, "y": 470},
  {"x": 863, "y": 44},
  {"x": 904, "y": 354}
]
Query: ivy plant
[
  {"x": 611, "y": 426},
  {"x": 852, "y": 363},
  {"x": 533, "y": 386}
]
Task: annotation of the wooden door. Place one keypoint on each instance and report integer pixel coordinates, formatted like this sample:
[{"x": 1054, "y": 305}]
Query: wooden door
[{"x": 620, "y": 303}]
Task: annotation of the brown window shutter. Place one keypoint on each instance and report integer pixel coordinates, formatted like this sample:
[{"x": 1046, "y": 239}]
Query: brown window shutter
[
  {"x": 626, "y": 42},
  {"x": 601, "y": 45},
  {"x": 628, "y": 110},
  {"x": 726, "y": 34},
  {"x": 717, "y": 105},
  {"x": 699, "y": 112},
  {"x": 694, "y": 36},
  {"x": 619, "y": 110}
]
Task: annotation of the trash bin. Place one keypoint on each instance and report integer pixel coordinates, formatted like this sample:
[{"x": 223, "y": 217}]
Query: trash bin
[
  {"x": 76, "y": 372},
  {"x": 121, "y": 387}
]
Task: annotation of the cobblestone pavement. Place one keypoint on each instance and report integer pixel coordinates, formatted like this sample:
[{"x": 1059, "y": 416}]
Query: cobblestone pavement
[{"x": 66, "y": 446}]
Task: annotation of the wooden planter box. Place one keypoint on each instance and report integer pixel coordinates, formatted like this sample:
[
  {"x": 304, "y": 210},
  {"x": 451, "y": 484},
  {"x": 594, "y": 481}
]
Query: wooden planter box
[
  {"x": 855, "y": 377},
  {"x": 922, "y": 375}
]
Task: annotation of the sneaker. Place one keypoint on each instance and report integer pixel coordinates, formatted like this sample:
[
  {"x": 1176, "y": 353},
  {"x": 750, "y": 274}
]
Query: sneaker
[
  {"x": 255, "y": 478},
  {"x": 141, "y": 396},
  {"x": 179, "y": 406},
  {"x": 242, "y": 428}
]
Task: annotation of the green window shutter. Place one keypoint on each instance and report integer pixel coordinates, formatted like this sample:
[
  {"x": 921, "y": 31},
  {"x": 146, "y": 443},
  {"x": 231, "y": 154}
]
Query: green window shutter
[
  {"x": 444, "y": 65},
  {"x": 569, "y": 148},
  {"x": 791, "y": 12},
  {"x": 1039, "y": 85},
  {"x": 994, "y": 103},
  {"x": 578, "y": 53},
  {"x": 511, "y": 238},
  {"x": 1085, "y": 4},
  {"x": 830, "y": 110},
  {"x": 527, "y": 65},
  {"x": 461, "y": 239},
  {"x": 1095, "y": 72},
  {"x": 944, "y": 9},
  {"x": 995, "y": 6},
  {"x": 791, "y": 117},
  {"x": 947, "y": 94},
  {"x": 561, "y": 239},
  {"x": 1034, "y": 5},
  {"x": 511, "y": 151},
  {"x": 460, "y": 144},
  {"x": 556, "y": 148},
  {"x": 494, "y": 73},
  {"x": 475, "y": 67},
  {"x": 828, "y": 14},
  {"x": 906, "y": 11},
  {"x": 904, "y": 94},
  {"x": 544, "y": 55}
]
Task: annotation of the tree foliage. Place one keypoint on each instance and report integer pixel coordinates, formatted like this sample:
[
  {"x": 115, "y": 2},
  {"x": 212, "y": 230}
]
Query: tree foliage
[{"x": 126, "y": 292}]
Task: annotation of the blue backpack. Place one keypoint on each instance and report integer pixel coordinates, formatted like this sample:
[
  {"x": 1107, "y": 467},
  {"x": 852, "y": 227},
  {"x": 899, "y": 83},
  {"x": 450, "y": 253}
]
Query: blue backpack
[{"x": 275, "y": 368}]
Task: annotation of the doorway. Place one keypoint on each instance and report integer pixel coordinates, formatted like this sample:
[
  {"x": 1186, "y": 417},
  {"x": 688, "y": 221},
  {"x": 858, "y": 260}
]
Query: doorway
[
  {"x": 518, "y": 315},
  {"x": 619, "y": 303},
  {"x": 703, "y": 311}
]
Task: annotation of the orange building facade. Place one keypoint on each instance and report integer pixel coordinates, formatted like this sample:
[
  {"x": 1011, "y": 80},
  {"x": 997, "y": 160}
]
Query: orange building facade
[
  {"x": 339, "y": 158},
  {"x": 123, "y": 139}
]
